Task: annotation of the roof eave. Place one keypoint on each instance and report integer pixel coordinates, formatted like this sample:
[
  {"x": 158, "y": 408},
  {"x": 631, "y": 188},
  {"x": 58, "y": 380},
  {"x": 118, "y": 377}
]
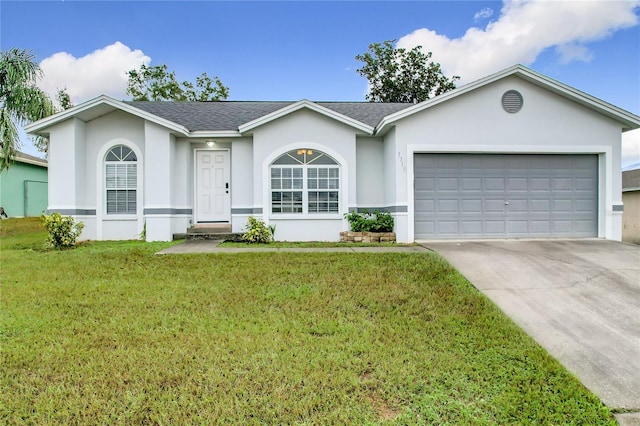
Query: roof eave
[{"x": 215, "y": 134}]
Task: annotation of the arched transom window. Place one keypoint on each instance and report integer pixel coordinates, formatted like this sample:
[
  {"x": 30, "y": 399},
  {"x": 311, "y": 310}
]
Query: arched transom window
[
  {"x": 305, "y": 181},
  {"x": 121, "y": 180}
]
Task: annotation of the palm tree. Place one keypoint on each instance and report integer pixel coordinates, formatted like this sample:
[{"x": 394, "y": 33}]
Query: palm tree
[{"x": 21, "y": 101}]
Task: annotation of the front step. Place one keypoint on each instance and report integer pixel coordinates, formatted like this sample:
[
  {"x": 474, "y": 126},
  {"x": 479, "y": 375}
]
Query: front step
[
  {"x": 217, "y": 236},
  {"x": 210, "y": 228},
  {"x": 209, "y": 231}
]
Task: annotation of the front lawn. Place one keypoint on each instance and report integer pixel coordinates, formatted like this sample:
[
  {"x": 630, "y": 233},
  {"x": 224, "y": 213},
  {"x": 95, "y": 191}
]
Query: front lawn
[{"x": 110, "y": 333}]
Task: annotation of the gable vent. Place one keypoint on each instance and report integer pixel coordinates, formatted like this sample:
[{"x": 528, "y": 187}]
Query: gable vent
[{"x": 512, "y": 101}]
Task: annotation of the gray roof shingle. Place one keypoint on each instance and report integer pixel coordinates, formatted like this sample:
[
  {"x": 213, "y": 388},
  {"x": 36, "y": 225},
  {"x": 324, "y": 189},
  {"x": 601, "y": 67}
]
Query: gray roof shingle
[{"x": 229, "y": 115}]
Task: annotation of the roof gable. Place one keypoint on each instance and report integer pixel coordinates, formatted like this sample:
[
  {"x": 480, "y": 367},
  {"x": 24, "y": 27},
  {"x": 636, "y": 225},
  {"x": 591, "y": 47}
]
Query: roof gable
[
  {"x": 628, "y": 120},
  {"x": 305, "y": 104},
  {"x": 98, "y": 107}
]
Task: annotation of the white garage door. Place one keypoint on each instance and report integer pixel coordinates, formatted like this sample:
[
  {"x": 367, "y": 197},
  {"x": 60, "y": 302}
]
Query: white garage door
[{"x": 505, "y": 196}]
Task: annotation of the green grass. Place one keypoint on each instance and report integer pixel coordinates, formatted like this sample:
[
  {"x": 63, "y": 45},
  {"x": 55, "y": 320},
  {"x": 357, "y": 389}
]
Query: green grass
[{"x": 110, "y": 333}]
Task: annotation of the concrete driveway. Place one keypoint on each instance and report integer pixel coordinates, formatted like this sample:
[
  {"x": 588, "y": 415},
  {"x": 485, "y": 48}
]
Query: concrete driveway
[{"x": 580, "y": 299}]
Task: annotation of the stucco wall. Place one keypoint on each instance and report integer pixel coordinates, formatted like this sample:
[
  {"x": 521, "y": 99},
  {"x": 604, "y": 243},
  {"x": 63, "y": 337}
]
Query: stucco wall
[
  {"x": 370, "y": 172},
  {"x": 23, "y": 190},
  {"x": 305, "y": 129},
  {"x": 242, "y": 178},
  {"x": 547, "y": 123}
]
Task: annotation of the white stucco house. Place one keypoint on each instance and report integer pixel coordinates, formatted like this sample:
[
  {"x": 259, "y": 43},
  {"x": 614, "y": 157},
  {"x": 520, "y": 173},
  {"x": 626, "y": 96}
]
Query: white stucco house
[{"x": 513, "y": 155}]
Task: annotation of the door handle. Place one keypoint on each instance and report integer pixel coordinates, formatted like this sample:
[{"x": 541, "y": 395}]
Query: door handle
[{"x": 226, "y": 185}]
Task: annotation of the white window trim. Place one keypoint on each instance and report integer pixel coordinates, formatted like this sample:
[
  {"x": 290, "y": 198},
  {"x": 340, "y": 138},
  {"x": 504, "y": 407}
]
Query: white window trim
[
  {"x": 101, "y": 193},
  {"x": 106, "y": 190},
  {"x": 343, "y": 197},
  {"x": 305, "y": 187}
]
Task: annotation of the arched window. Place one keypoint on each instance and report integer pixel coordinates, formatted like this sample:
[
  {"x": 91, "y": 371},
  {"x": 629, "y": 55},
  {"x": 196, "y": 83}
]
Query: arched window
[
  {"x": 305, "y": 181},
  {"x": 121, "y": 180}
]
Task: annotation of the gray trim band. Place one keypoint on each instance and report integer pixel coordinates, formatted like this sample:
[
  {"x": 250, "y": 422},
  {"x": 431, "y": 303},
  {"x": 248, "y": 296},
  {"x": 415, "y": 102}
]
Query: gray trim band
[
  {"x": 167, "y": 211},
  {"x": 248, "y": 210},
  {"x": 73, "y": 212},
  {"x": 617, "y": 208},
  {"x": 390, "y": 209}
]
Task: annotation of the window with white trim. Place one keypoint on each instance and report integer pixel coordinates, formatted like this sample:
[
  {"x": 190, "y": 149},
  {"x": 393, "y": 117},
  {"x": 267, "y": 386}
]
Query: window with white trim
[
  {"x": 121, "y": 180},
  {"x": 305, "y": 181}
]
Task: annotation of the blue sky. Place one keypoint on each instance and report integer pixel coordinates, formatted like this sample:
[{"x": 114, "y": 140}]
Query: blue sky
[{"x": 294, "y": 50}]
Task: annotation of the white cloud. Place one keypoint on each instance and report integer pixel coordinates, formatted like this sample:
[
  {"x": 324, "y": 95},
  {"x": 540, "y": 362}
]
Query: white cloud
[
  {"x": 102, "y": 71},
  {"x": 630, "y": 148},
  {"x": 522, "y": 31},
  {"x": 573, "y": 52},
  {"x": 485, "y": 13}
]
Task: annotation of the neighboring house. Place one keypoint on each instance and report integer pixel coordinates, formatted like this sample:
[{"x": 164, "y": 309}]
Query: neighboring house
[
  {"x": 631, "y": 200},
  {"x": 513, "y": 155},
  {"x": 23, "y": 187}
]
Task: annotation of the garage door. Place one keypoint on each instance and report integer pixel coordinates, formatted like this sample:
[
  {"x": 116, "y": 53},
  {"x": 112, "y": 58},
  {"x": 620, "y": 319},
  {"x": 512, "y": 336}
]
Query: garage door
[{"x": 505, "y": 196}]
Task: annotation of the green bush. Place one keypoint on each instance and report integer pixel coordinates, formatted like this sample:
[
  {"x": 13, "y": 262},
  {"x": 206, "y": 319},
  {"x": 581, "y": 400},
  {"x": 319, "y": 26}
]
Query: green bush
[
  {"x": 379, "y": 221},
  {"x": 62, "y": 231},
  {"x": 257, "y": 231}
]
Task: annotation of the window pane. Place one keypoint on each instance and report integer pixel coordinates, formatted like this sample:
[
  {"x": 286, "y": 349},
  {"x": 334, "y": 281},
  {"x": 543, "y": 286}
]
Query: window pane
[
  {"x": 317, "y": 174},
  {"x": 325, "y": 159},
  {"x": 121, "y": 180},
  {"x": 286, "y": 202}
]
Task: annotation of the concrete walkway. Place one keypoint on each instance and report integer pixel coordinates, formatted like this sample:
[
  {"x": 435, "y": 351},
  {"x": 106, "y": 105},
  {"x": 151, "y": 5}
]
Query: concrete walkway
[
  {"x": 579, "y": 299},
  {"x": 209, "y": 246}
]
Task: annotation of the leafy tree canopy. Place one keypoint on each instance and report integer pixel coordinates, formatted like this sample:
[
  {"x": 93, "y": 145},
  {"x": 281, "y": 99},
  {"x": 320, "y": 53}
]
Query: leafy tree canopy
[
  {"x": 63, "y": 100},
  {"x": 401, "y": 75},
  {"x": 157, "y": 83},
  {"x": 21, "y": 101}
]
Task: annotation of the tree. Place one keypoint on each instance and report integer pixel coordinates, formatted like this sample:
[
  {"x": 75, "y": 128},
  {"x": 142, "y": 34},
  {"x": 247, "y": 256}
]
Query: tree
[
  {"x": 21, "y": 101},
  {"x": 401, "y": 75},
  {"x": 63, "y": 100},
  {"x": 158, "y": 84}
]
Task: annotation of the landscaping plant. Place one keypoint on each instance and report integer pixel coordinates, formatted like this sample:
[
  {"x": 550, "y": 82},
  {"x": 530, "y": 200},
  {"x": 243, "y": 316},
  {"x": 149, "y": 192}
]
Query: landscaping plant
[
  {"x": 379, "y": 221},
  {"x": 257, "y": 231},
  {"x": 62, "y": 231}
]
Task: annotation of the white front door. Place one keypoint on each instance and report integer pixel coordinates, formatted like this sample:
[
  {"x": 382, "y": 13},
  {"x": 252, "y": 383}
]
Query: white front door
[{"x": 213, "y": 192}]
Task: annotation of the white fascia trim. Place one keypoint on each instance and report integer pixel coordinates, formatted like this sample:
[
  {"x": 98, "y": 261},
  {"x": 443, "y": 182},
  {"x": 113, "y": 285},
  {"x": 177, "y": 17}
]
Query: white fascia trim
[
  {"x": 103, "y": 100},
  {"x": 313, "y": 107},
  {"x": 42, "y": 163},
  {"x": 215, "y": 134},
  {"x": 630, "y": 120}
]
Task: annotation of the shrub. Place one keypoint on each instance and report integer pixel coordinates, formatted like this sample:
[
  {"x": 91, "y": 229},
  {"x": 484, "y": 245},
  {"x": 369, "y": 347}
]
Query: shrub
[
  {"x": 380, "y": 221},
  {"x": 257, "y": 231},
  {"x": 62, "y": 230}
]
